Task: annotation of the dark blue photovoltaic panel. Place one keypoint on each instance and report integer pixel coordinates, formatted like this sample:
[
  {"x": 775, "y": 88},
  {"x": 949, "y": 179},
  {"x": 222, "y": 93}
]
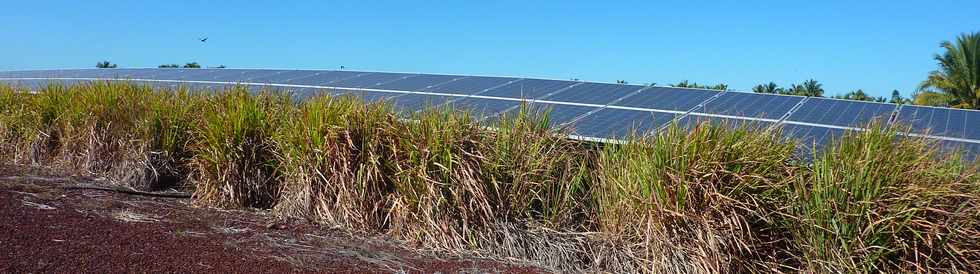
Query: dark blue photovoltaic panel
[
  {"x": 370, "y": 80},
  {"x": 483, "y": 107},
  {"x": 321, "y": 78},
  {"x": 367, "y": 96},
  {"x": 844, "y": 113},
  {"x": 32, "y": 74},
  {"x": 250, "y": 75},
  {"x": 692, "y": 120},
  {"x": 415, "y": 102},
  {"x": 941, "y": 122},
  {"x": 594, "y": 93},
  {"x": 108, "y": 73},
  {"x": 283, "y": 76},
  {"x": 528, "y": 88},
  {"x": 416, "y": 83},
  {"x": 812, "y": 137},
  {"x": 195, "y": 75},
  {"x": 158, "y": 74},
  {"x": 618, "y": 123},
  {"x": 750, "y": 105},
  {"x": 969, "y": 151},
  {"x": 31, "y": 84},
  {"x": 664, "y": 98},
  {"x": 557, "y": 114},
  {"x": 470, "y": 85}
]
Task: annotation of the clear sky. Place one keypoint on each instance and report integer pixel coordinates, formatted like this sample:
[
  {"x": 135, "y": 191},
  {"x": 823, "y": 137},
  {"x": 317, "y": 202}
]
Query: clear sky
[{"x": 877, "y": 46}]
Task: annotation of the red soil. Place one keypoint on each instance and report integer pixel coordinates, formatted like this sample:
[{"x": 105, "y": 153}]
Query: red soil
[{"x": 49, "y": 229}]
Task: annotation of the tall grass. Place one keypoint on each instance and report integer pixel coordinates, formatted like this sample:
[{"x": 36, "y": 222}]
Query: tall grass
[
  {"x": 235, "y": 161},
  {"x": 703, "y": 199},
  {"x": 872, "y": 203}
]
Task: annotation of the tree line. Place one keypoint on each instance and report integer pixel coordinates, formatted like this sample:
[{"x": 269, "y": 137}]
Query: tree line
[
  {"x": 107, "y": 64},
  {"x": 956, "y": 83}
]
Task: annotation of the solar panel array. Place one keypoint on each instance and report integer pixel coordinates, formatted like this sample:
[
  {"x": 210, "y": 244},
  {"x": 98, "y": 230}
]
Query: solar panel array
[{"x": 594, "y": 111}]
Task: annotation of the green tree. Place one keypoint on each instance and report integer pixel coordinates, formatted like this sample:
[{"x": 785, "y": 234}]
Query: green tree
[
  {"x": 898, "y": 99},
  {"x": 192, "y": 65},
  {"x": 768, "y": 88},
  {"x": 105, "y": 64},
  {"x": 686, "y": 84},
  {"x": 958, "y": 75},
  {"x": 807, "y": 88},
  {"x": 860, "y": 95},
  {"x": 931, "y": 98},
  {"x": 168, "y": 66}
]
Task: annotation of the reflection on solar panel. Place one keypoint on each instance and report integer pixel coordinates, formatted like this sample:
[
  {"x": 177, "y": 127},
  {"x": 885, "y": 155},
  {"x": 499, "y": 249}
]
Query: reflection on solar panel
[
  {"x": 370, "y": 80},
  {"x": 528, "y": 88},
  {"x": 955, "y": 123},
  {"x": 594, "y": 93},
  {"x": 589, "y": 110},
  {"x": 618, "y": 123},
  {"x": 663, "y": 98},
  {"x": 843, "y": 113},
  {"x": 750, "y": 105}
]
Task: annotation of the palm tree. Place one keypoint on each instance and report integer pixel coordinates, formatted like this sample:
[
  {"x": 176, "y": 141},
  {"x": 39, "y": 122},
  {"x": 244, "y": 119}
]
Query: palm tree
[
  {"x": 767, "y": 88},
  {"x": 808, "y": 88},
  {"x": 958, "y": 75},
  {"x": 930, "y": 98}
]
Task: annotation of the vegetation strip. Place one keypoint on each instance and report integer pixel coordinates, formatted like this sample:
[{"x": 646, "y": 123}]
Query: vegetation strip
[{"x": 704, "y": 199}]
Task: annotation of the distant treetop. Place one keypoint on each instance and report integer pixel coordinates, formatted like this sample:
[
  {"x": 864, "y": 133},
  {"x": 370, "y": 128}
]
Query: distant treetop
[{"x": 105, "y": 64}]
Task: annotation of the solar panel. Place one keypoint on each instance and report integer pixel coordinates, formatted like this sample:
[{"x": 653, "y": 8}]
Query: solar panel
[
  {"x": 111, "y": 73},
  {"x": 663, "y": 98},
  {"x": 941, "y": 121},
  {"x": 415, "y": 102},
  {"x": 283, "y": 76},
  {"x": 843, "y": 113},
  {"x": 812, "y": 137},
  {"x": 619, "y": 123},
  {"x": 416, "y": 82},
  {"x": 557, "y": 113},
  {"x": 370, "y": 80},
  {"x": 325, "y": 77},
  {"x": 470, "y": 85},
  {"x": 692, "y": 120},
  {"x": 484, "y": 107},
  {"x": 367, "y": 96},
  {"x": 750, "y": 105},
  {"x": 594, "y": 93},
  {"x": 528, "y": 88},
  {"x": 159, "y": 74},
  {"x": 969, "y": 151}
]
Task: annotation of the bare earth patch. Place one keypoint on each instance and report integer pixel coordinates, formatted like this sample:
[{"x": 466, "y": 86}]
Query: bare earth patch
[{"x": 48, "y": 228}]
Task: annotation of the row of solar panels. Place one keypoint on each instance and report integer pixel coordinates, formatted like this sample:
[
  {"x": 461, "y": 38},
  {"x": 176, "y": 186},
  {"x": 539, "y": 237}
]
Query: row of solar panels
[{"x": 596, "y": 110}]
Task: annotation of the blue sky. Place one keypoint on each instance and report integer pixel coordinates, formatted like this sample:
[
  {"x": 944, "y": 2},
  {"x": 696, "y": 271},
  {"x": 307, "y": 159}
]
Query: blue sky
[{"x": 877, "y": 46}]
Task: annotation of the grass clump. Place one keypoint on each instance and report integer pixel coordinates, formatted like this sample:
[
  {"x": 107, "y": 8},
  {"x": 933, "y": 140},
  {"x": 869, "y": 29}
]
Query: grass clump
[
  {"x": 705, "y": 197},
  {"x": 874, "y": 204},
  {"x": 235, "y": 161},
  {"x": 337, "y": 162}
]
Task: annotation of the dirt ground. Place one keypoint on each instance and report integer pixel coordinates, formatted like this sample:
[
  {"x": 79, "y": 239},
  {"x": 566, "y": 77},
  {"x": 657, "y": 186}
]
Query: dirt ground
[{"x": 52, "y": 229}]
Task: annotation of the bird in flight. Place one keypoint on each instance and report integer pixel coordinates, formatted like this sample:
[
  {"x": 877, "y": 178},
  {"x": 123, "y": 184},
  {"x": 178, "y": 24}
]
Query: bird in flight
[{"x": 205, "y": 39}]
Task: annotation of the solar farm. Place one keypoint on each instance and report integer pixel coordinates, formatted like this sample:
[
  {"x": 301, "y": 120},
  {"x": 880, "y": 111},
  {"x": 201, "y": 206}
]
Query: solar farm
[
  {"x": 600, "y": 112},
  {"x": 301, "y": 168}
]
